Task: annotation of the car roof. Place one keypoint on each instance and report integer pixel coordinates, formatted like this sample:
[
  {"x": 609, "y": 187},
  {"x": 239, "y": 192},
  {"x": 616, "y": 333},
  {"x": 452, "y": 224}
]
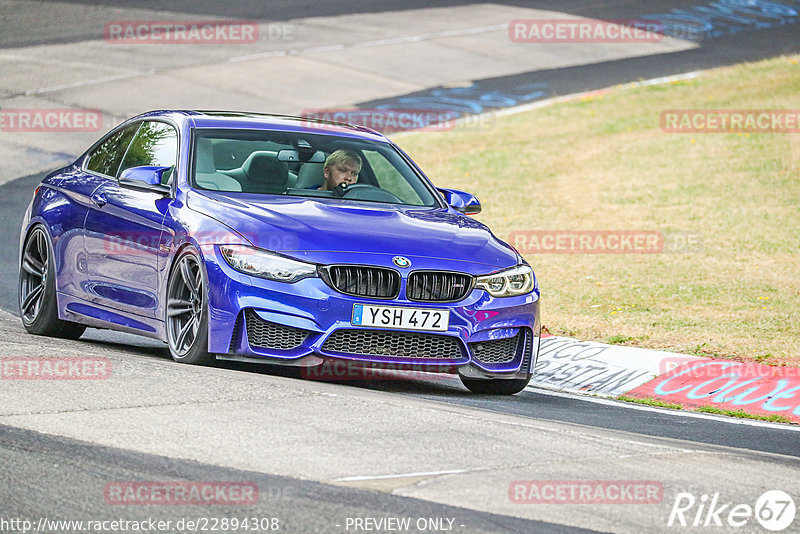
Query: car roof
[{"x": 266, "y": 121}]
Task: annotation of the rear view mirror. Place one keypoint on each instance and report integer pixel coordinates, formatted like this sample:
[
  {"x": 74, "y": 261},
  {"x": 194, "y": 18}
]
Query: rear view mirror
[{"x": 294, "y": 155}]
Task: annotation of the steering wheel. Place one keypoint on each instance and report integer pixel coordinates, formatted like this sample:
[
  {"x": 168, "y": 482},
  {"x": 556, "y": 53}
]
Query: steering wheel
[{"x": 366, "y": 192}]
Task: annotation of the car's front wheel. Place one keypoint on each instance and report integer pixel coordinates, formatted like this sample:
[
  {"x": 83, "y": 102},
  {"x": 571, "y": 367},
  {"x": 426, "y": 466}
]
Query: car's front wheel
[
  {"x": 495, "y": 386},
  {"x": 187, "y": 310},
  {"x": 38, "y": 307}
]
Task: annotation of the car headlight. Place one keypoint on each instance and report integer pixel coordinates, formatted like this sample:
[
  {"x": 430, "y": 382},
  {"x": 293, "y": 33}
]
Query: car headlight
[
  {"x": 511, "y": 282},
  {"x": 257, "y": 262}
]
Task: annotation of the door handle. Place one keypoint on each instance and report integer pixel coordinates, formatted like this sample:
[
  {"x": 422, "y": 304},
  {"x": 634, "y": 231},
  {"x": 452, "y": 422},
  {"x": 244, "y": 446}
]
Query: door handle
[{"x": 99, "y": 199}]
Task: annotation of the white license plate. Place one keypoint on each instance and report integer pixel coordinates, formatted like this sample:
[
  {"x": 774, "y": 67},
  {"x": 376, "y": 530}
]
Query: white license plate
[{"x": 405, "y": 318}]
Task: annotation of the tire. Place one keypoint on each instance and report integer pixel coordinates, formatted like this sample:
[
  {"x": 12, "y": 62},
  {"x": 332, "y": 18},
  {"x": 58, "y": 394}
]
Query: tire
[
  {"x": 186, "y": 313},
  {"x": 495, "y": 386},
  {"x": 38, "y": 306}
]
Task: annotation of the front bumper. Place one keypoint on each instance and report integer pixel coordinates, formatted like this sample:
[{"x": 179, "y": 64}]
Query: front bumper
[{"x": 308, "y": 322}]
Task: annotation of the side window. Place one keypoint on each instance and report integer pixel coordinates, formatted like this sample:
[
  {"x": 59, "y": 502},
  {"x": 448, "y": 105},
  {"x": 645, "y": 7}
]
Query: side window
[
  {"x": 106, "y": 158},
  {"x": 390, "y": 178},
  {"x": 155, "y": 144}
]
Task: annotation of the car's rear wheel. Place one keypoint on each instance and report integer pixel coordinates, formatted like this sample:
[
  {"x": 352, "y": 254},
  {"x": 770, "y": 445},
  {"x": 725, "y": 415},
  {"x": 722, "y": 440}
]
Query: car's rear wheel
[
  {"x": 187, "y": 310},
  {"x": 38, "y": 307},
  {"x": 495, "y": 386}
]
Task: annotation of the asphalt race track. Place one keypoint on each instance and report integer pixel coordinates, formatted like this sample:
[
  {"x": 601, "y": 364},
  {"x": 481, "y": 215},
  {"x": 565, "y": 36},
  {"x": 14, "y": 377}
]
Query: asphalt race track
[
  {"x": 324, "y": 454},
  {"x": 34, "y": 461}
]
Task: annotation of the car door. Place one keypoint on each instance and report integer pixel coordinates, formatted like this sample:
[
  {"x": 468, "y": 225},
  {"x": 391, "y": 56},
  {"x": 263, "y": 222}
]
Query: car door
[
  {"x": 76, "y": 185},
  {"x": 124, "y": 226}
]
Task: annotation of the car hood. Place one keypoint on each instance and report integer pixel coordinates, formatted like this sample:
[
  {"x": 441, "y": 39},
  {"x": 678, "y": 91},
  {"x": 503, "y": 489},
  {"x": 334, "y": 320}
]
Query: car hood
[{"x": 338, "y": 231}]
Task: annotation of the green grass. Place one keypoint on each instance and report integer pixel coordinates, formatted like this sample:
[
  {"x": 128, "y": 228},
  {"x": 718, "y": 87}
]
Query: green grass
[
  {"x": 603, "y": 163},
  {"x": 619, "y": 339},
  {"x": 744, "y": 415},
  {"x": 650, "y": 401}
]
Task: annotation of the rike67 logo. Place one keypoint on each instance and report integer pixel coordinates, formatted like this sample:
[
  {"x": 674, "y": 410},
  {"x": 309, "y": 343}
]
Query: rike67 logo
[{"x": 774, "y": 510}]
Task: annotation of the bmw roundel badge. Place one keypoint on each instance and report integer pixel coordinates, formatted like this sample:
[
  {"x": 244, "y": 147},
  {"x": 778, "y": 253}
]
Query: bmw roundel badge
[{"x": 401, "y": 262}]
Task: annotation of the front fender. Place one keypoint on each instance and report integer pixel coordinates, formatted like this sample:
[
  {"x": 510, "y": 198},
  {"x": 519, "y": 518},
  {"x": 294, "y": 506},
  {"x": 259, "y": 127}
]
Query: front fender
[{"x": 185, "y": 227}]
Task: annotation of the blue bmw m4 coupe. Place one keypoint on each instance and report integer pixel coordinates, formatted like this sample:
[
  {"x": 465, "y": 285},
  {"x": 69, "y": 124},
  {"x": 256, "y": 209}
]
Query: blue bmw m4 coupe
[{"x": 279, "y": 240}]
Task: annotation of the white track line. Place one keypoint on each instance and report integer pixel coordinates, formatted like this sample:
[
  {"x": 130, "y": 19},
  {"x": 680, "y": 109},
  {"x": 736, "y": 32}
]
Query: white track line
[
  {"x": 84, "y": 83},
  {"x": 401, "y": 475}
]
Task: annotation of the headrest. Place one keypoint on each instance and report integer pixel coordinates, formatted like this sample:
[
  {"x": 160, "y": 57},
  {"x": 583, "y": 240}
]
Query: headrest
[
  {"x": 263, "y": 167},
  {"x": 309, "y": 175}
]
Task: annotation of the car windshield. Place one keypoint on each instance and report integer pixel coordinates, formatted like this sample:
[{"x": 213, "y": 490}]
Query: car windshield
[{"x": 294, "y": 164}]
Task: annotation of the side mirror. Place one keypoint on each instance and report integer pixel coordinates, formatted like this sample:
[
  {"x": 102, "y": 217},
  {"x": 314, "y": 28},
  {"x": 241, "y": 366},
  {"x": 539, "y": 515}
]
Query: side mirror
[
  {"x": 461, "y": 201},
  {"x": 145, "y": 179}
]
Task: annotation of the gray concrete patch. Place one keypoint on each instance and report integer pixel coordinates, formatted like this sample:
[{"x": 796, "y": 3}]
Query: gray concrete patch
[
  {"x": 320, "y": 62},
  {"x": 162, "y": 91},
  {"x": 276, "y": 79},
  {"x": 24, "y": 72}
]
